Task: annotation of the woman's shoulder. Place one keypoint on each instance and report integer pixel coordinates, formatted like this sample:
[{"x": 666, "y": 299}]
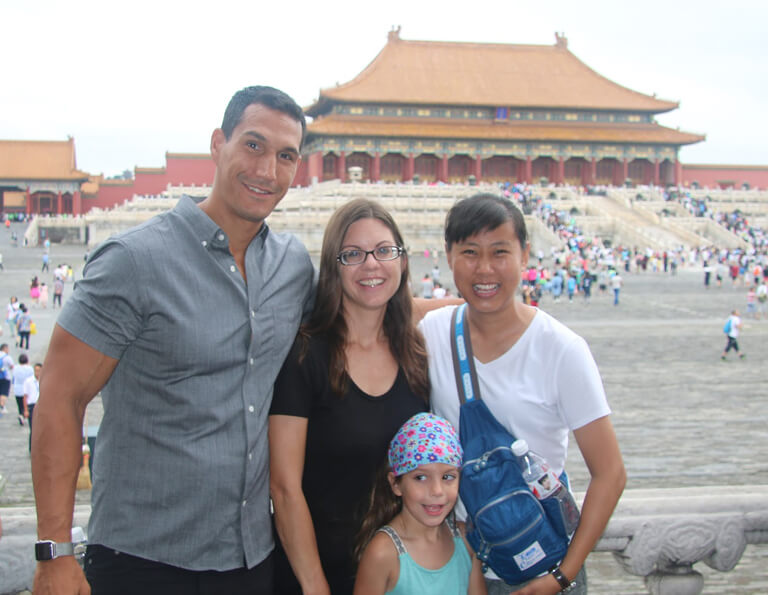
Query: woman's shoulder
[
  {"x": 436, "y": 320},
  {"x": 547, "y": 326}
]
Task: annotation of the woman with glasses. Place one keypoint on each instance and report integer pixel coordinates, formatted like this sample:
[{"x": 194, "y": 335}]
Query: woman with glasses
[{"x": 357, "y": 372}]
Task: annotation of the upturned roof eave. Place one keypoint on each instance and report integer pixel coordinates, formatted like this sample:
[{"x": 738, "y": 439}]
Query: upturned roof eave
[
  {"x": 380, "y": 129},
  {"x": 325, "y": 103}
]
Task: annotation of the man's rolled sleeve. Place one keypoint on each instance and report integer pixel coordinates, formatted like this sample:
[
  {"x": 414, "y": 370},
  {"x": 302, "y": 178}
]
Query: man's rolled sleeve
[{"x": 105, "y": 310}]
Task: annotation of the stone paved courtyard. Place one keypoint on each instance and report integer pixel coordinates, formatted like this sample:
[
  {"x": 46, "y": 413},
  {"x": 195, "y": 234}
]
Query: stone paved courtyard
[{"x": 683, "y": 417}]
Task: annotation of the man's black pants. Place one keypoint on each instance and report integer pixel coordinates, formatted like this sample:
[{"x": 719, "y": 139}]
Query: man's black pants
[{"x": 113, "y": 573}]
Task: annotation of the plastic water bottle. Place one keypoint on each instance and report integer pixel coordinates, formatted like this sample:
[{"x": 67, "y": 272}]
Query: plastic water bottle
[{"x": 545, "y": 484}]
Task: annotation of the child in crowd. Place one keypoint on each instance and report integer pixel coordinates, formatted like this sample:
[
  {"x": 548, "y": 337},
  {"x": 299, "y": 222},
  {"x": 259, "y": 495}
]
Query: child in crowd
[{"x": 418, "y": 550}]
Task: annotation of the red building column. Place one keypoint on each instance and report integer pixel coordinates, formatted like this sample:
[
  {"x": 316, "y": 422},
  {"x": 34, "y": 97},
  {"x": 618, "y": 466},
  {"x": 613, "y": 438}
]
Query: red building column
[
  {"x": 29, "y": 203},
  {"x": 376, "y": 173},
  {"x": 678, "y": 173},
  {"x": 624, "y": 170},
  {"x": 58, "y": 204},
  {"x": 528, "y": 169},
  {"x": 77, "y": 203},
  {"x": 314, "y": 167},
  {"x": 341, "y": 166},
  {"x": 655, "y": 172},
  {"x": 410, "y": 167},
  {"x": 442, "y": 175},
  {"x": 593, "y": 171},
  {"x": 478, "y": 168},
  {"x": 561, "y": 171}
]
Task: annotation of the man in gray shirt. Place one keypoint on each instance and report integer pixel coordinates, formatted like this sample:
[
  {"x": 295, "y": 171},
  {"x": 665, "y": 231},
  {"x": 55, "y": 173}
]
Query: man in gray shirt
[{"x": 182, "y": 323}]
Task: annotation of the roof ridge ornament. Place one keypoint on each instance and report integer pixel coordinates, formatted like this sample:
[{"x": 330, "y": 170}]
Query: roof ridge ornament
[
  {"x": 561, "y": 41},
  {"x": 394, "y": 34}
]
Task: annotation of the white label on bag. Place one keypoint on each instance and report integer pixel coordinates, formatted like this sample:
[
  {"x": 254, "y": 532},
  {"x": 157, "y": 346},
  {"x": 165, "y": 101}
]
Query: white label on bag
[{"x": 529, "y": 556}]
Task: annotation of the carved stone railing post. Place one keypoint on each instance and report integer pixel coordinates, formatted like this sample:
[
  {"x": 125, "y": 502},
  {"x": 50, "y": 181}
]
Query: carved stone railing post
[{"x": 660, "y": 534}]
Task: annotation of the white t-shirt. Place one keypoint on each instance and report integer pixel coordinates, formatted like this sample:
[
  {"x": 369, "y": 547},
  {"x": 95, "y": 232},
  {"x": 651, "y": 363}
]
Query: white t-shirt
[
  {"x": 545, "y": 385},
  {"x": 20, "y": 374},
  {"x": 735, "y": 322},
  {"x": 6, "y": 366},
  {"x": 32, "y": 389}
]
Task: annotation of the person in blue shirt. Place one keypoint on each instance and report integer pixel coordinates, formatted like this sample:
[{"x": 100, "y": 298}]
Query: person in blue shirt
[{"x": 571, "y": 285}]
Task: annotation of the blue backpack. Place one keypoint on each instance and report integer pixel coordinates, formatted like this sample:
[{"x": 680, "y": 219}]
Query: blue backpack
[
  {"x": 727, "y": 327},
  {"x": 518, "y": 536}
]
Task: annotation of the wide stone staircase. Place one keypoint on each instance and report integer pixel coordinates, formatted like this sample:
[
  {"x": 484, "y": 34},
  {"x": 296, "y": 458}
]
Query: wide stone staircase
[{"x": 624, "y": 216}]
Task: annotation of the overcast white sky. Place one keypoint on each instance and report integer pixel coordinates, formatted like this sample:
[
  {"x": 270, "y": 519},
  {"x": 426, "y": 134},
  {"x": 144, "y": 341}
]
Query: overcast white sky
[{"x": 132, "y": 80}]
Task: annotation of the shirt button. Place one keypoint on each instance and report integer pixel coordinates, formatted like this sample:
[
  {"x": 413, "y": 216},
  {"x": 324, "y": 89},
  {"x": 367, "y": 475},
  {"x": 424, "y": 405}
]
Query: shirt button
[
  {"x": 251, "y": 361},
  {"x": 232, "y": 268},
  {"x": 220, "y": 237},
  {"x": 251, "y": 408},
  {"x": 250, "y": 456},
  {"x": 204, "y": 243},
  {"x": 253, "y": 313},
  {"x": 244, "y": 503}
]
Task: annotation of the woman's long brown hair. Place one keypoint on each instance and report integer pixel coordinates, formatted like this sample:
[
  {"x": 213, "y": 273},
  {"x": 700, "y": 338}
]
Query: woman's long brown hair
[{"x": 405, "y": 340}]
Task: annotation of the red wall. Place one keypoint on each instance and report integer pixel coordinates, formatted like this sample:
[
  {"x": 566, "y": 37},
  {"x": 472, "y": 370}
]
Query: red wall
[
  {"x": 190, "y": 169},
  {"x": 145, "y": 183},
  {"x": 179, "y": 170},
  {"x": 722, "y": 176},
  {"x": 111, "y": 193}
]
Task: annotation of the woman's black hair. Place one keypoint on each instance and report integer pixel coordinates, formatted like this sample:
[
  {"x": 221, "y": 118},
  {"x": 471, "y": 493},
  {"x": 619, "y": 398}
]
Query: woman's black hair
[{"x": 482, "y": 212}]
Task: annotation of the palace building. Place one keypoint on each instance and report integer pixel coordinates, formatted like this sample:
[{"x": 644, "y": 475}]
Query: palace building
[
  {"x": 446, "y": 111},
  {"x": 40, "y": 177},
  {"x": 427, "y": 112}
]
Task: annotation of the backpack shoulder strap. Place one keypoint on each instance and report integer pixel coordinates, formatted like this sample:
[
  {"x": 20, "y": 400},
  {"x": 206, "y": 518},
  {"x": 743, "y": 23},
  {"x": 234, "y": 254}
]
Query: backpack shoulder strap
[{"x": 463, "y": 359}]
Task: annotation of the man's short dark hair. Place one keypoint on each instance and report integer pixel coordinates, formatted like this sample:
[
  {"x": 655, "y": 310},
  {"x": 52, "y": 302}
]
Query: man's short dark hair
[
  {"x": 3, "y": 346},
  {"x": 267, "y": 96},
  {"x": 482, "y": 212}
]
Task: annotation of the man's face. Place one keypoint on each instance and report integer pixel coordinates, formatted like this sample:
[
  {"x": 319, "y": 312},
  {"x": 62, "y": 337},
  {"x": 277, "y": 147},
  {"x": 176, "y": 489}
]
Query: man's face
[
  {"x": 256, "y": 166},
  {"x": 38, "y": 369}
]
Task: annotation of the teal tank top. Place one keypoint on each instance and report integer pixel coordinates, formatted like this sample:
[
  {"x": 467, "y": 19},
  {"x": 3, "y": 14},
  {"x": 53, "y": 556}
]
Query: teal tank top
[{"x": 453, "y": 578}]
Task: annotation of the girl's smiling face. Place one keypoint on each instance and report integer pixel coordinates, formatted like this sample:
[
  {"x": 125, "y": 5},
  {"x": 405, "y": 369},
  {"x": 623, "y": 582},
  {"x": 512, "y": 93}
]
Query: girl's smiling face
[{"x": 429, "y": 492}]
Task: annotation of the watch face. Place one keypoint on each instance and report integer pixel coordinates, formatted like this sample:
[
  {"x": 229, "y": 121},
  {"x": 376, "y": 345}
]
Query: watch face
[{"x": 44, "y": 550}]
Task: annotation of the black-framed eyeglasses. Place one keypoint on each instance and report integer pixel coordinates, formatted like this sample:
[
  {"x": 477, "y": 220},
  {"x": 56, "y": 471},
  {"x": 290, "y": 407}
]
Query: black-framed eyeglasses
[{"x": 382, "y": 253}]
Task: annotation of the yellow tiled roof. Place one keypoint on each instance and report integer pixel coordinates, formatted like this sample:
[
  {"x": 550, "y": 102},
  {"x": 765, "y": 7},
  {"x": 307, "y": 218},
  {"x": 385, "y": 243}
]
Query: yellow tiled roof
[
  {"x": 488, "y": 74},
  {"x": 39, "y": 160},
  {"x": 500, "y": 131}
]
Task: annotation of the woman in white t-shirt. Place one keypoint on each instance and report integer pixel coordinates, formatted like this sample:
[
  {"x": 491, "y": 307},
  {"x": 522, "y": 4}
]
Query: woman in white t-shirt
[{"x": 536, "y": 376}]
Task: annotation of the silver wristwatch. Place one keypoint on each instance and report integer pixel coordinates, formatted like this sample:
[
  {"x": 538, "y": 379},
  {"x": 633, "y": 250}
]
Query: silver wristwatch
[{"x": 48, "y": 550}]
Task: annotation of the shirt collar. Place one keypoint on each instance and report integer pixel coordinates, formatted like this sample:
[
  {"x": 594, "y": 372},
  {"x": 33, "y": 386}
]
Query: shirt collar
[{"x": 205, "y": 228}]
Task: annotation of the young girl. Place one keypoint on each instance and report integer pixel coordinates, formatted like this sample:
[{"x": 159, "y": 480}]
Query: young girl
[{"x": 419, "y": 550}]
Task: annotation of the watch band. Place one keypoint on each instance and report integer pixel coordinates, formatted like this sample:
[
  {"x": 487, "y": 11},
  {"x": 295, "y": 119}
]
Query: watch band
[
  {"x": 48, "y": 550},
  {"x": 562, "y": 580}
]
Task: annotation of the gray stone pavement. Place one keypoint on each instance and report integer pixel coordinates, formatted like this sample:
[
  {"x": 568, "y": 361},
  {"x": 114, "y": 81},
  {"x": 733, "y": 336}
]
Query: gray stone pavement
[{"x": 682, "y": 416}]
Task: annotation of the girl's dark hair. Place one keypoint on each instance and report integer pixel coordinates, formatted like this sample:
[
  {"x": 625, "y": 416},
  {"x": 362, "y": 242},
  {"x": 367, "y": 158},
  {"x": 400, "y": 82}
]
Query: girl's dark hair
[
  {"x": 405, "y": 341},
  {"x": 482, "y": 212},
  {"x": 23, "y": 359},
  {"x": 383, "y": 506}
]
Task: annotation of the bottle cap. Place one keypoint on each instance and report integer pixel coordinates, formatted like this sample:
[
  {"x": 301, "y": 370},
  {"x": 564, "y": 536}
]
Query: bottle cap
[{"x": 519, "y": 448}]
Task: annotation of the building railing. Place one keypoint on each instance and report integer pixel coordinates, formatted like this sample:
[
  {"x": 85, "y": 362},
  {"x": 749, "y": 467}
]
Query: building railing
[{"x": 658, "y": 534}]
